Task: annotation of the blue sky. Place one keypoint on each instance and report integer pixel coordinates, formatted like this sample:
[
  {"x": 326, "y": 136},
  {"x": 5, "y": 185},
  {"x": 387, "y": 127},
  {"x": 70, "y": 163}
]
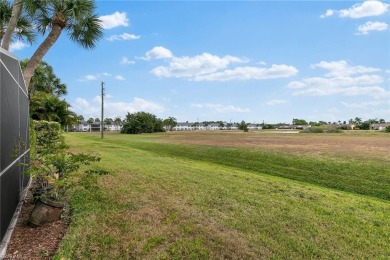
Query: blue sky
[{"x": 232, "y": 60}]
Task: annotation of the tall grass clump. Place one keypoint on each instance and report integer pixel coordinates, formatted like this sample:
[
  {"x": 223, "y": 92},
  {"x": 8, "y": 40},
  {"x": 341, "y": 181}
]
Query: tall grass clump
[{"x": 314, "y": 129}]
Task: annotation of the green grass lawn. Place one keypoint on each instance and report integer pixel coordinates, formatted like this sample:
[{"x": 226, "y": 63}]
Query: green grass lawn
[{"x": 175, "y": 201}]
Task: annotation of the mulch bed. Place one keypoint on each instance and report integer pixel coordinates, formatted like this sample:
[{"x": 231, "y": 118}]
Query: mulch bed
[{"x": 35, "y": 242}]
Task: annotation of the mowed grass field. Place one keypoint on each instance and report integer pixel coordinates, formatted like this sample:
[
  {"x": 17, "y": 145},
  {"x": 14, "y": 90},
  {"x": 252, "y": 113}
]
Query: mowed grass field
[{"x": 232, "y": 195}]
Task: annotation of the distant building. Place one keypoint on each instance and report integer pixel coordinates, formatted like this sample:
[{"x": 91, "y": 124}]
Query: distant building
[{"x": 379, "y": 126}]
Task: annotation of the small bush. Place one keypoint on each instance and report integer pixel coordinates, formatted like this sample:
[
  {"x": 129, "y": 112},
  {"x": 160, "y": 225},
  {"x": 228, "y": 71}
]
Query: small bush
[
  {"x": 313, "y": 130},
  {"x": 387, "y": 129},
  {"x": 333, "y": 130}
]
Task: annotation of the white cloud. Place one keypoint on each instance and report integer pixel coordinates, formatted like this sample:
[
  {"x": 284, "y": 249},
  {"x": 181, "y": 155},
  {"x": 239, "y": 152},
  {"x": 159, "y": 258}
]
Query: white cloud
[
  {"x": 371, "y": 26},
  {"x": 119, "y": 77},
  {"x": 113, "y": 109},
  {"x": 138, "y": 104},
  {"x": 340, "y": 81},
  {"x": 342, "y": 68},
  {"x": 114, "y": 20},
  {"x": 158, "y": 52},
  {"x": 296, "y": 84},
  {"x": 82, "y": 102},
  {"x": 191, "y": 67},
  {"x": 275, "y": 102},
  {"x": 222, "y": 108},
  {"x": 83, "y": 107},
  {"x": 332, "y": 110},
  {"x": 329, "y": 12},
  {"x": 89, "y": 77},
  {"x": 16, "y": 46},
  {"x": 124, "y": 37},
  {"x": 366, "y": 9},
  {"x": 92, "y": 77},
  {"x": 126, "y": 61},
  {"x": 329, "y": 88},
  {"x": 209, "y": 67},
  {"x": 364, "y": 105},
  {"x": 246, "y": 73}
]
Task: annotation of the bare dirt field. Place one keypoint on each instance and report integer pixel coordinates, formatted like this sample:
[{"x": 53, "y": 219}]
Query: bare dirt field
[{"x": 357, "y": 144}]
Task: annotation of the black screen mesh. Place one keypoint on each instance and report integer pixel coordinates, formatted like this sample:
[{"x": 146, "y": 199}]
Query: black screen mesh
[{"x": 14, "y": 137}]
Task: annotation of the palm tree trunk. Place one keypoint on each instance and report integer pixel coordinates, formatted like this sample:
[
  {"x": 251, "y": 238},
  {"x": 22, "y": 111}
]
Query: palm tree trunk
[
  {"x": 37, "y": 57},
  {"x": 16, "y": 11}
]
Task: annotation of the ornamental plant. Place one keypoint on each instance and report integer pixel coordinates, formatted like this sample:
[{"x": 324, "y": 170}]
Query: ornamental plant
[{"x": 52, "y": 162}]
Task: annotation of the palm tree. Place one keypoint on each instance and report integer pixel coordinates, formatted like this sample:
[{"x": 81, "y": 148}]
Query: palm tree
[
  {"x": 117, "y": 122},
  {"x": 44, "y": 106},
  {"x": 22, "y": 30},
  {"x": 170, "y": 123},
  {"x": 44, "y": 80},
  {"x": 358, "y": 120},
  {"x": 76, "y": 17}
]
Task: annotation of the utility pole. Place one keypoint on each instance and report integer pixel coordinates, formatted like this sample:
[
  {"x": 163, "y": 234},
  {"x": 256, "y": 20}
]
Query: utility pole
[{"x": 102, "y": 119}]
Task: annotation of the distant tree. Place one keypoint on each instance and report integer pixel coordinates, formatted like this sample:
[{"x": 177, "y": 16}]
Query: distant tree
[
  {"x": 297, "y": 121},
  {"x": 97, "y": 120},
  {"x": 268, "y": 126},
  {"x": 206, "y": 123},
  {"x": 243, "y": 126},
  {"x": 365, "y": 125},
  {"x": 170, "y": 123},
  {"x": 358, "y": 120},
  {"x": 344, "y": 122},
  {"x": 221, "y": 125},
  {"x": 90, "y": 120},
  {"x": 117, "y": 121},
  {"x": 196, "y": 124},
  {"x": 382, "y": 121},
  {"x": 373, "y": 121},
  {"x": 80, "y": 118},
  {"x": 322, "y": 123},
  {"x": 108, "y": 121},
  {"x": 142, "y": 122}
]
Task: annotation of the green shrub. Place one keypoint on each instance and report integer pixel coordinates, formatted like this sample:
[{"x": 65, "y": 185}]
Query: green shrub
[
  {"x": 142, "y": 122},
  {"x": 334, "y": 130},
  {"x": 51, "y": 162},
  {"x": 314, "y": 129},
  {"x": 47, "y": 137},
  {"x": 387, "y": 129}
]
